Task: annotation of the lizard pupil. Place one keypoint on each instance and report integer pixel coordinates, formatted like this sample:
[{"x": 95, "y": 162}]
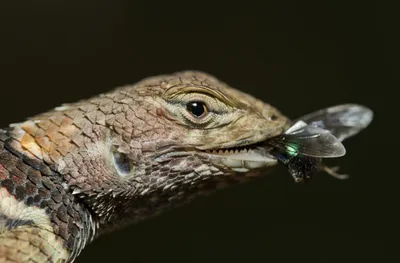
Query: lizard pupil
[{"x": 197, "y": 108}]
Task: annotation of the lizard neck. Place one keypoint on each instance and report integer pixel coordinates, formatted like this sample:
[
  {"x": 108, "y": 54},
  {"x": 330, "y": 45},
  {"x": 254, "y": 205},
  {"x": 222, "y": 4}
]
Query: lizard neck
[{"x": 35, "y": 201}]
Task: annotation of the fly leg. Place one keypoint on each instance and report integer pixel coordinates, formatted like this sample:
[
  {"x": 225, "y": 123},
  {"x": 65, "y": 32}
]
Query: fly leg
[{"x": 332, "y": 171}]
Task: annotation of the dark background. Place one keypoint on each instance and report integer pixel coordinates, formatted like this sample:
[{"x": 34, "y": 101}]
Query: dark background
[{"x": 299, "y": 56}]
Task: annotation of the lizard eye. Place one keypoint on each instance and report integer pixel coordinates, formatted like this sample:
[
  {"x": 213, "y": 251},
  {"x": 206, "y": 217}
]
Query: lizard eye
[
  {"x": 123, "y": 164},
  {"x": 197, "y": 108}
]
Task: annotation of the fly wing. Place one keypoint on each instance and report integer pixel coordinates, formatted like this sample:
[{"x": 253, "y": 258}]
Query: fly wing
[
  {"x": 343, "y": 121},
  {"x": 310, "y": 141}
]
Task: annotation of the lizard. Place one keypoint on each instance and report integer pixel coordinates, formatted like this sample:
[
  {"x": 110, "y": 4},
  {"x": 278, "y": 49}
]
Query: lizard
[{"x": 86, "y": 168}]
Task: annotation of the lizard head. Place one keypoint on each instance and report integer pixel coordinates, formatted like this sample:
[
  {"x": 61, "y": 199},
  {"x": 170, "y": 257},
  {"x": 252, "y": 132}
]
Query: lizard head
[
  {"x": 140, "y": 149},
  {"x": 186, "y": 134},
  {"x": 219, "y": 128}
]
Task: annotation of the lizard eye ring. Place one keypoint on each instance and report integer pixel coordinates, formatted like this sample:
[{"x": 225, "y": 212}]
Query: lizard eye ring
[{"x": 197, "y": 109}]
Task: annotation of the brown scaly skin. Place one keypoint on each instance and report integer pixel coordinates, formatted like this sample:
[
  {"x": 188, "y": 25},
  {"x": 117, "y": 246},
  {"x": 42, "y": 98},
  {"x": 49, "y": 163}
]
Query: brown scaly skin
[{"x": 60, "y": 187}]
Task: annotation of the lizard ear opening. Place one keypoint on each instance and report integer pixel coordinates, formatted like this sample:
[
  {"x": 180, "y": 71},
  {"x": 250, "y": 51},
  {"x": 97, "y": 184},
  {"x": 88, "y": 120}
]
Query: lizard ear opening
[{"x": 122, "y": 163}]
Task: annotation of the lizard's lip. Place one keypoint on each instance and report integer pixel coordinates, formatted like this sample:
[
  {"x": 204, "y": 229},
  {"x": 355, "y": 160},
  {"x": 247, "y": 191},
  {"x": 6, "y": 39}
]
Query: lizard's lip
[{"x": 242, "y": 160}]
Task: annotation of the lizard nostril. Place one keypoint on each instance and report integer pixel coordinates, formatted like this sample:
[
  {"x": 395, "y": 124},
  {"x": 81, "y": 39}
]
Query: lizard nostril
[{"x": 273, "y": 117}]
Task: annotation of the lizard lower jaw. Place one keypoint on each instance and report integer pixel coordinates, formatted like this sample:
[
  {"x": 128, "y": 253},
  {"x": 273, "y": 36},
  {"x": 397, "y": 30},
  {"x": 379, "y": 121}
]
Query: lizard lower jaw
[{"x": 242, "y": 160}]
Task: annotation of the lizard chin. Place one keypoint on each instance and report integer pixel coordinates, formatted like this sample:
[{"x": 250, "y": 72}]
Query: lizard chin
[{"x": 242, "y": 159}]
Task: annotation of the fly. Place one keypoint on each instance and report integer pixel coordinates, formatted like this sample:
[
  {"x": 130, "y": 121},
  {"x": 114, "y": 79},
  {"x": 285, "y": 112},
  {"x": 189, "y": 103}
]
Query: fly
[{"x": 317, "y": 136}]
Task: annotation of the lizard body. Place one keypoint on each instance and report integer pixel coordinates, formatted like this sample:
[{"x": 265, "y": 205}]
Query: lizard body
[{"x": 86, "y": 168}]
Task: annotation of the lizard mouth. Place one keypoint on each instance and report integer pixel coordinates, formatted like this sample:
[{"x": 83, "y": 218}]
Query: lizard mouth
[
  {"x": 242, "y": 158},
  {"x": 239, "y": 159}
]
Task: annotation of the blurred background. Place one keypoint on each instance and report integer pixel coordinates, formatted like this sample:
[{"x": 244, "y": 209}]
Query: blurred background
[{"x": 299, "y": 56}]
